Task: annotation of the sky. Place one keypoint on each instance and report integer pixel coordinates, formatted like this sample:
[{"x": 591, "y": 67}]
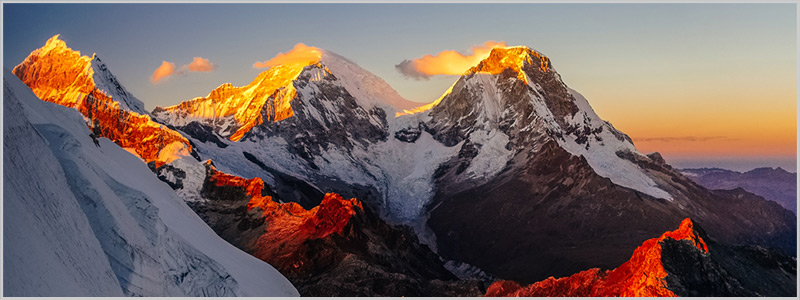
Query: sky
[{"x": 703, "y": 84}]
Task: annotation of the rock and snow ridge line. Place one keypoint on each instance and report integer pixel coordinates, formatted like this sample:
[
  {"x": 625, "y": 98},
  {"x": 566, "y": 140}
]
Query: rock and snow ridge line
[{"x": 376, "y": 161}]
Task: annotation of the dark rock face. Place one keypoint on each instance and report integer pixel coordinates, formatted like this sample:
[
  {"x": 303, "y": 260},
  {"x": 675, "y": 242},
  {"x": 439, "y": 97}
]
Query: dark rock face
[
  {"x": 539, "y": 221},
  {"x": 203, "y": 133},
  {"x": 373, "y": 258},
  {"x": 773, "y": 184},
  {"x": 408, "y": 135},
  {"x": 167, "y": 173},
  {"x": 289, "y": 188},
  {"x": 696, "y": 274}
]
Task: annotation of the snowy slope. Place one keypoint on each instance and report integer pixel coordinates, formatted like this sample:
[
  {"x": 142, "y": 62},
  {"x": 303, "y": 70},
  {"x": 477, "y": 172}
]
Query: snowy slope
[
  {"x": 602, "y": 154},
  {"x": 368, "y": 88},
  {"x": 49, "y": 248},
  {"x": 154, "y": 245}
]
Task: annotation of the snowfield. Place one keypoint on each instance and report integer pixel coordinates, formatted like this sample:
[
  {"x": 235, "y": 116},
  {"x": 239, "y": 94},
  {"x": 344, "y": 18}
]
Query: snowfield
[{"x": 83, "y": 220}]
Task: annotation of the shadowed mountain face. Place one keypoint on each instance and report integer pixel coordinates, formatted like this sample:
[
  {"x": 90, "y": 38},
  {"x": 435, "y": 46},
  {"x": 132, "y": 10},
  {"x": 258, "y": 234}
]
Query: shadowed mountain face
[
  {"x": 562, "y": 209},
  {"x": 314, "y": 169},
  {"x": 775, "y": 184}
]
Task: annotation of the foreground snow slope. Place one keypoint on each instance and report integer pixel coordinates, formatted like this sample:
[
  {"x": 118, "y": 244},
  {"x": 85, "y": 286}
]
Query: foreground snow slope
[
  {"x": 49, "y": 247},
  {"x": 87, "y": 220}
]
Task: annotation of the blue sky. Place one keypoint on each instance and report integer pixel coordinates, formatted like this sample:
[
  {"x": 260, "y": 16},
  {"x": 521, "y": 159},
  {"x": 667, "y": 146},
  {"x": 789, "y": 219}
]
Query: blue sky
[{"x": 637, "y": 64}]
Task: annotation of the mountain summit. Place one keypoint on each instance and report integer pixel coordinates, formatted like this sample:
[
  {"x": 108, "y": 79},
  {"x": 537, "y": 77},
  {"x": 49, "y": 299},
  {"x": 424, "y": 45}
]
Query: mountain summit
[
  {"x": 57, "y": 73},
  {"x": 61, "y": 75},
  {"x": 516, "y": 97}
]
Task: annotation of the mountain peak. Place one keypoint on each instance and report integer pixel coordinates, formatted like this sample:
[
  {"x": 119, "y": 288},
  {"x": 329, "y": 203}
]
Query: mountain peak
[
  {"x": 515, "y": 58},
  {"x": 54, "y": 43},
  {"x": 63, "y": 76}
]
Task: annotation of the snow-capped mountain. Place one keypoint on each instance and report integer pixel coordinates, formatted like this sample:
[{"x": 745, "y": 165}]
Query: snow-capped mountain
[
  {"x": 509, "y": 145},
  {"x": 327, "y": 123},
  {"x": 510, "y": 174},
  {"x": 514, "y": 100},
  {"x": 88, "y": 218},
  {"x": 535, "y": 161},
  {"x": 282, "y": 92},
  {"x": 61, "y": 75}
]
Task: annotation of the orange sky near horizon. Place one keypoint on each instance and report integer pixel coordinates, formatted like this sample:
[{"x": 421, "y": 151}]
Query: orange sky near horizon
[
  {"x": 703, "y": 121},
  {"x": 727, "y": 106}
]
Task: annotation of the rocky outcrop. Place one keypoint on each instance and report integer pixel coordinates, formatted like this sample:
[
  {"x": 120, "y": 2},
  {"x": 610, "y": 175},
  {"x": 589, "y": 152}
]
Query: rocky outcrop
[
  {"x": 643, "y": 275},
  {"x": 338, "y": 248},
  {"x": 678, "y": 263}
]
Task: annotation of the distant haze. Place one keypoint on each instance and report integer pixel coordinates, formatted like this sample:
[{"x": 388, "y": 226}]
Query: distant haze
[{"x": 741, "y": 164}]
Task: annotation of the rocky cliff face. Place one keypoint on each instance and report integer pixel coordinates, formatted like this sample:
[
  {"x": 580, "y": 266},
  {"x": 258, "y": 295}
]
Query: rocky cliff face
[{"x": 60, "y": 75}]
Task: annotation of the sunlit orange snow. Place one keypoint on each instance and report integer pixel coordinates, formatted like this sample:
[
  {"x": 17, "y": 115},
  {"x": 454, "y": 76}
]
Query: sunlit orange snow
[{"x": 271, "y": 92}]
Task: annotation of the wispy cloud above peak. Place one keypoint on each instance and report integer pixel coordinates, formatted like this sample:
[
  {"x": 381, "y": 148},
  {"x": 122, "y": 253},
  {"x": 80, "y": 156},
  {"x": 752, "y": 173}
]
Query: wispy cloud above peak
[
  {"x": 300, "y": 54},
  {"x": 447, "y": 62},
  {"x": 200, "y": 64},
  {"x": 163, "y": 71}
]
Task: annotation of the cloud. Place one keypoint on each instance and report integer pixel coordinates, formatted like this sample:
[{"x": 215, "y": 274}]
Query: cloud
[
  {"x": 167, "y": 69},
  {"x": 200, "y": 64},
  {"x": 448, "y": 62},
  {"x": 683, "y": 139},
  {"x": 300, "y": 54}
]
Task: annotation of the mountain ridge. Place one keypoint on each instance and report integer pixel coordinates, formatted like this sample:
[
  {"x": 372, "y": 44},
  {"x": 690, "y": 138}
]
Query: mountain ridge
[
  {"x": 774, "y": 184},
  {"x": 503, "y": 154}
]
